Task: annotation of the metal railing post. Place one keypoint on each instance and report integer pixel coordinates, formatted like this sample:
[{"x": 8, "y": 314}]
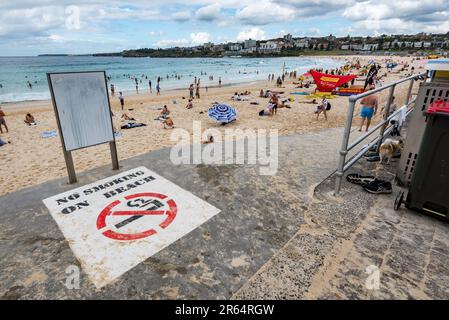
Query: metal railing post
[
  {"x": 409, "y": 92},
  {"x": 385, "y": 117},
  {"x": 344, "y": 146}
]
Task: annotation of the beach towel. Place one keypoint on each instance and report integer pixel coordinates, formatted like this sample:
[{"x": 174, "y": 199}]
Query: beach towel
[
  {"x": 300, "y": 93},
  {"x": 49, "y": 134},
  {"x": 401, "y": 116},
  {"x": 133, "y": 125}
]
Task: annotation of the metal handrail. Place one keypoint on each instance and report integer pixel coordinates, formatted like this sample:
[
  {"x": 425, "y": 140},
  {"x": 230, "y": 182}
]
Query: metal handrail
[
  {"x": 394, "y": 114},
  {"x": 343, "y": 166}
]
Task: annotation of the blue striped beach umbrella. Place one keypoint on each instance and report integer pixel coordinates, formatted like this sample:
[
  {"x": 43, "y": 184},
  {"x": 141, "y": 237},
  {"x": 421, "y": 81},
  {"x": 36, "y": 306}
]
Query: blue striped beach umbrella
[{"x": 222, "y": 113}]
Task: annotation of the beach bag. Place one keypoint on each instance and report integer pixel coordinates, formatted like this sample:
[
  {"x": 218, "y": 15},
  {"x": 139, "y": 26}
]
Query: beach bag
[{"x": 328, "y": 106}]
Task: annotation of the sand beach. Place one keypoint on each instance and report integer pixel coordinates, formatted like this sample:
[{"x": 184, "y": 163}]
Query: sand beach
[{"x": 30, "y": 159}]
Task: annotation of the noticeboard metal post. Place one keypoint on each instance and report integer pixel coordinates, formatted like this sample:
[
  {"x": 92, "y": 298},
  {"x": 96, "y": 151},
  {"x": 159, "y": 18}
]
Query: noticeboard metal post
[{"x": 83, "y": 113}]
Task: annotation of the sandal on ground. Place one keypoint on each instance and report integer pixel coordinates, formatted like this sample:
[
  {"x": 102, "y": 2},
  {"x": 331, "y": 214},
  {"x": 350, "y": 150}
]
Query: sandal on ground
[{"x": 359, "y": 179}]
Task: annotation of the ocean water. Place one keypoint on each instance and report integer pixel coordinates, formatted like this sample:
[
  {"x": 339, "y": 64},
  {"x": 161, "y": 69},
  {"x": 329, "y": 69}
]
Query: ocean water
[{"x": 15, "y": 72}]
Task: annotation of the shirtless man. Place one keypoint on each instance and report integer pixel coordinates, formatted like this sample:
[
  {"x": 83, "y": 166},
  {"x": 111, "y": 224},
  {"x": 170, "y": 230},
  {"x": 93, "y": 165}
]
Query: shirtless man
[{"x": 369, "y": 109}]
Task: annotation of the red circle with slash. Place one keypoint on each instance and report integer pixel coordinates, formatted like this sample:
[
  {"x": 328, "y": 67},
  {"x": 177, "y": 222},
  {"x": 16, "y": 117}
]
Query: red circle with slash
[{"x": 108, "y": 211}]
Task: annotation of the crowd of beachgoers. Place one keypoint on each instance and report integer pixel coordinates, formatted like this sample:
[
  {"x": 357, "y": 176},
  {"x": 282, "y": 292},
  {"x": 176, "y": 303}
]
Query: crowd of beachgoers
[{"x": 31, "y": 153}]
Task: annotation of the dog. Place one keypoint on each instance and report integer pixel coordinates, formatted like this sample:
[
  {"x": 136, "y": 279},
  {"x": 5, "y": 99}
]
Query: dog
[{"x": 389, "y": 149}]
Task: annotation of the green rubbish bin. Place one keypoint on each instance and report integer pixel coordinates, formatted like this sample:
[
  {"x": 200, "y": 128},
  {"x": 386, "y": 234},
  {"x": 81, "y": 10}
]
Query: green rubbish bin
[{"x": 429, "y": 189}]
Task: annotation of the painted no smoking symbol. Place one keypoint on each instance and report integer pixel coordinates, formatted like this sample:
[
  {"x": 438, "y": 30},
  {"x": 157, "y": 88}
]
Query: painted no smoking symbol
[{"x": 137, "y": 206}]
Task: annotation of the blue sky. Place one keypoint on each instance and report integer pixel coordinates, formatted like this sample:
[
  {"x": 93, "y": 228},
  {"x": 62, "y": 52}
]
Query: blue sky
[{"x": 30, "y": 27}]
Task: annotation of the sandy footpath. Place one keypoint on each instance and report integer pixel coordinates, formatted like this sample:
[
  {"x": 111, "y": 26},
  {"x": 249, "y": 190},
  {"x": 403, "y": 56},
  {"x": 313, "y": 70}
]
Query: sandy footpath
[{"x": 31, "y": 160}]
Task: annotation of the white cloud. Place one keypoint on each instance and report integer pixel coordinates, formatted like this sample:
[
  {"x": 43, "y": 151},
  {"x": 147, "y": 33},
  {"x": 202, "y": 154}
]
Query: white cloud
[
  {"x": 168, "y": 43},
  {"x": 264, "y": 12},
  {"x": 209, "y": 13},
  {"x": 182, "y": 16},
  {"x": 200, "y": 38},
  {"x": 56, "y": 37},
  {"x": 405, "y": 16},
  {"x": 34, "y": 23},
  {"x": 196, "y": 39},
  {"x": 254, "y": 33}
]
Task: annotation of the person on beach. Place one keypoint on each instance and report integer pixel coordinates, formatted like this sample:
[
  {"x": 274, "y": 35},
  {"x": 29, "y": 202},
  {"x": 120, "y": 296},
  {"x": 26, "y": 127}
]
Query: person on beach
[
  {"x": 236, "y": 97},
  {"x": 191, "y": 89},
  {"x": 112, "y": 89},
  {"x": 322, "y": 108},
  {"x": 164, "y": 113},
  {"x": 122, "y": 100},
  {"x": 197, "y": 92},
  {"x": 168, "y": 123},
  {"x": 29, "y": 120},
  {"x": 279, "y": 82},
  {"x": 126, "y": 117},
  {"x": 189, "y": 104},
  {"x": 3, "y": 121},
  {"x": 369, "y": 109},
  {"x": 210, "y": 139},
  {"x": 371, "y": 76},
  {"x": 219, "y": 82},
  {"x": 150, "y": 85},
  {"x": 274, "y": 102},
  {"x": 158, "y": 89}
]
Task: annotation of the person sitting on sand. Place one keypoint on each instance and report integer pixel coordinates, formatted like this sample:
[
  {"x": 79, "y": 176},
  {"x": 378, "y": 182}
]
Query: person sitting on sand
[
  {"x": 164, "y": 113},
  {"x": 266, "y": 112},
  {"x": 168, "y": 123},
  {"x": 126, "y": 117},
  {"x": 189, "y": 104},
  {"x": 236, "y": 97},
  {"x": 210, "y": 139},
  {"x": 29, "y": 120}
]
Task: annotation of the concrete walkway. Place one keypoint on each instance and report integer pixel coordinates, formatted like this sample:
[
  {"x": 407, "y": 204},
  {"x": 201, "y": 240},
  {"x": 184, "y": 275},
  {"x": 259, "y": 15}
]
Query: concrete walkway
[
  {"x": 343, "y": 240},
  {"x": 260, "y": 214},
  {"x": 276, "y": 237}
]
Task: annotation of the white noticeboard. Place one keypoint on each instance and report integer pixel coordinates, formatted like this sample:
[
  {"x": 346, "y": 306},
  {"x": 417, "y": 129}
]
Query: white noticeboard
[
  {"x": 114, "y": 224},
  {"x": 82, "y": 105}
]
